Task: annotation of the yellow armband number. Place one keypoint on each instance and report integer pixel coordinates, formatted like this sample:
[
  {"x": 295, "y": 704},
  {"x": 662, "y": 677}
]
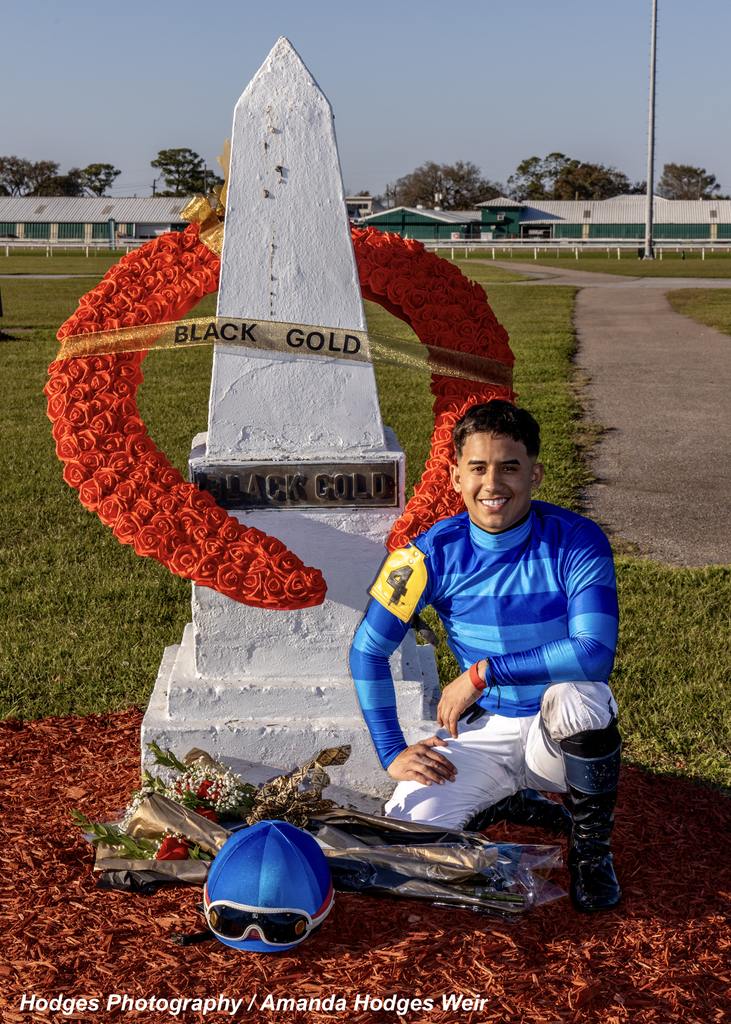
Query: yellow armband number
[{"x": 401, "y": 582}]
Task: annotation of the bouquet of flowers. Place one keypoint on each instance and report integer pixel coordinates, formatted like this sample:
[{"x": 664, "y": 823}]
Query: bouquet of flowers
[{"x": 162, "y": 821}]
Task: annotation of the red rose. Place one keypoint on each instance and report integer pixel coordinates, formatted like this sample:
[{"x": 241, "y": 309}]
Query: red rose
[
  {"x": 78, "y": 415},
  {"x": 110, "y": 509},
  {"x": 251, "y": 536},
  {"x": 75, "y": 474},
  {"x": 214, "y": 518},
  {"x": 90, "y": 494},
  {"x": 127, "y": 491},
  {"x": 271, "y": 546},
  {"x": 205, "y": 571},
  {"x": 144, "y": 509},
  {"x": 379, "y": 280},
  {"x": 286, "y": 563},
  {"x": 183, "y": 560},
  {"x": 397, "y": 290},
  {"x": 207, "y": 812},
  {"x": 163, "y": 523},
  {"x": 200, "y": 534},
  {"x": 62, "y": 428},
  {"x": 104, "y": 423},
  {"x": 57, "y": 382},
  {"x": 199, "y": 500},
  {"x": 273, "y": 588},
  {"x": 168, "y": 476},
  {"x": 107, "y": 479},
  {"x": 238, "y": 553},
  {"x": 202, "y": 790},
  {"x": 172, "y": 848},
  {"x": 230, "y": 531},
  {"x": 91, "y": 460},
  {"x": 295, "y": 586},
  {"x": 56, "y": 405},
  {"x": 253, "y": 585},
  {"x": 123, "y": 388},
  {"x": 189, "y": 520},
  {"x": 167, "y": 504},
  {"x": 86, "y": 440},
  {"x": 229, "y": 579},
  {"x": 139, "y": 445},
  {"x": 415, "y": 298},
  {"x": 147, "y": 541},
  {"x": 127, "y": 527},
  {"x": 110, "y": 443},
  {"x": 101, "y": 381},
  {"x": 67, "y": 449},
  {"x": 139, "y": 474},
  {"x": 118, "y": 462}
]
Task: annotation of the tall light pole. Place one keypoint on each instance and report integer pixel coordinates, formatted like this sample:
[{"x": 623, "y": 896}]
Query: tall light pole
[{"x": 649, "y": 252}]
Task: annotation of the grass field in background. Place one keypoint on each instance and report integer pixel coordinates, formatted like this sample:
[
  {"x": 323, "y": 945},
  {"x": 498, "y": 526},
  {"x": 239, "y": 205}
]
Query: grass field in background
[
  {"x": 96, "y": 264},
  {"x": 671, "y": 265},
  {"x": 85, "y": 620},
  {"x": 710, "y": 306}
]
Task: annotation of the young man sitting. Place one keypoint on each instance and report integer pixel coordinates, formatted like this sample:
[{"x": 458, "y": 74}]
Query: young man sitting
[{"x": 527, "y": 594}]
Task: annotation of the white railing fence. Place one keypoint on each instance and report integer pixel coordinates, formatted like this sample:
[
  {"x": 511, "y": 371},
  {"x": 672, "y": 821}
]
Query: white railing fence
[
  {"x": 45, "y": 247},
  {"x": 574, "y": 249},
  {"x": 524, "y": 247}
]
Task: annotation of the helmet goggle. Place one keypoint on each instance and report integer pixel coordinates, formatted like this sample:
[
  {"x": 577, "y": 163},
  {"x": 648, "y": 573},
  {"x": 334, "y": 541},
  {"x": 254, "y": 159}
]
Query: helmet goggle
[{"x": 276, "y": 926}]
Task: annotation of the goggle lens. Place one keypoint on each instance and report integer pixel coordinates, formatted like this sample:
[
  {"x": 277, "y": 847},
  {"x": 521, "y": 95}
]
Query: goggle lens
[{"x": 277, "y": 928}]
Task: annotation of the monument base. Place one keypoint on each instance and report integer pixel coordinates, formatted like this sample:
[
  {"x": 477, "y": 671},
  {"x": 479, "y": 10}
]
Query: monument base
[{"x": 277, "y": 726}]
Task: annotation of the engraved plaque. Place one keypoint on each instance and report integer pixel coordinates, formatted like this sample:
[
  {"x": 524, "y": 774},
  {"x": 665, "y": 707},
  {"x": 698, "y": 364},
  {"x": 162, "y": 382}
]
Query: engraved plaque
[{"x": 302, "y": 485}]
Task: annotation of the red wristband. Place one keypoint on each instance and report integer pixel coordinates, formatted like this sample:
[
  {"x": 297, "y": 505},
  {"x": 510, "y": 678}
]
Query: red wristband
[{"x": 477, "y": 682}]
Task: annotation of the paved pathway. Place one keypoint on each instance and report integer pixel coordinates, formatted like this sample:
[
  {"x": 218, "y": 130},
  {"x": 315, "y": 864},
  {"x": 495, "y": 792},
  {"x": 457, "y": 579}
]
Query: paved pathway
[{"x": 660, "y": 383}]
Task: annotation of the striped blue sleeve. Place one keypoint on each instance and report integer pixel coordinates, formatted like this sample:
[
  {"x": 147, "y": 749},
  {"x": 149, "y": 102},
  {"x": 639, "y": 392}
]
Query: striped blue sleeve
[
  {"x": 377, "y": 637},
  {"x": 587, "y": 653}
]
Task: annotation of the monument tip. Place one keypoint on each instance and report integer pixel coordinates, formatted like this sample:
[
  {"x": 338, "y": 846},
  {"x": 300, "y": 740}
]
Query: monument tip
[{"x": 285, "y": 65}]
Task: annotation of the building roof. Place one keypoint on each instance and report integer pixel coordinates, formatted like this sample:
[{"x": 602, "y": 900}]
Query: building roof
[
  {"x": 502, "y": 201},
  {"x": 625, "y": 209},
  {"x": 92, "y": 209},
  {"x": 446, "y": 216}
]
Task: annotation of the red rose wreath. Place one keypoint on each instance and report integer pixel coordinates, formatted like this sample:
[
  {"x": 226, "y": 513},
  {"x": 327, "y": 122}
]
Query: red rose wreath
[{"x": 122, "y": 476}]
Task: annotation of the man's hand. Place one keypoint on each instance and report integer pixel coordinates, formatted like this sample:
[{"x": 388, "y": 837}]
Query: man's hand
[
  {"x": 457, "y": 696},
  {"x": 420, "y": 763}
]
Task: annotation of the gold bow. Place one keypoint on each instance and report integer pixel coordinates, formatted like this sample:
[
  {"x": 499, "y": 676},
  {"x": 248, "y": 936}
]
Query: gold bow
[{"x": 209, "y": 211}]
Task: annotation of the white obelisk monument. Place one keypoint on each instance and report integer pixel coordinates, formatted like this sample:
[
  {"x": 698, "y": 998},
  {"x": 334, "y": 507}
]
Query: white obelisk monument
[{"x": 273, "y": 687}]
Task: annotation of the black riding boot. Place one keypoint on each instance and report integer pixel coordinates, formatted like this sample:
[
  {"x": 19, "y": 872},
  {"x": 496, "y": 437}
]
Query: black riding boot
[
  {"x": 591, "y": 761},
  {"x": 527, "y": 807}
]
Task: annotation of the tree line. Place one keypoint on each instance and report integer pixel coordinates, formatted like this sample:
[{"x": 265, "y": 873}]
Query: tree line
[
  {"x": 182, "y": 170},
  {"x": 457, "y": 186},
  {"x": 461, "y": 186}
]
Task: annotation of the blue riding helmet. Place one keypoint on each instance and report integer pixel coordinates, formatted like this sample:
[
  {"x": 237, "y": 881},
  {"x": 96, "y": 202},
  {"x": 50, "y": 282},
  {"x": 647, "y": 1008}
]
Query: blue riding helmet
[{"x": 268, "y": 887}]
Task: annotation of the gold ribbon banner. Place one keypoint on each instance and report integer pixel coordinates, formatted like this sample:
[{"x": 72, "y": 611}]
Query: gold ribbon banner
[
  {"x": 262, "y": 337},
  {"x": 258, "y": 335}
]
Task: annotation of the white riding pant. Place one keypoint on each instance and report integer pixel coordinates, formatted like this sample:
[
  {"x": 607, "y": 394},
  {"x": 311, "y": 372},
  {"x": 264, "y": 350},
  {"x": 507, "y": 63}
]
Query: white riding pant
[{"x": 497, "y": 756}]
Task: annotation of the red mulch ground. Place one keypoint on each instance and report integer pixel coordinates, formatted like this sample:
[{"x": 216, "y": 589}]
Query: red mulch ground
[{"x": 662, "y": 957}]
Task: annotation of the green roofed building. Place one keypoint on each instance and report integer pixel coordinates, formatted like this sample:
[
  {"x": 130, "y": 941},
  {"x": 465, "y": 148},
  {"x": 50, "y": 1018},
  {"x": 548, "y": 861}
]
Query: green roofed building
[
  {"x": 426, "y": 225},
  {"x": 619, "y": 219}
]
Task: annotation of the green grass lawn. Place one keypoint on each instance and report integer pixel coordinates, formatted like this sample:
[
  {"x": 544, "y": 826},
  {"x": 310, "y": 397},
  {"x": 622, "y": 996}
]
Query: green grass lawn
[
  {"x": 85, "y": 620},
  {"x": 711, "y": 306},
  {"x": 671, "y": 265},
  {"x": 486, "y": 272},
  {"x": 96, "y": 264}
]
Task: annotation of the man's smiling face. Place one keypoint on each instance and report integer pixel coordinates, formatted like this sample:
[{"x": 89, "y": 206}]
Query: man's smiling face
[{"x": 495, "y": 476}]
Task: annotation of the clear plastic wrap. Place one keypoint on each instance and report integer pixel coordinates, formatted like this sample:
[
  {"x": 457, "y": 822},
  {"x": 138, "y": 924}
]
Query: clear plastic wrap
[{"x": 384, "y": 856}]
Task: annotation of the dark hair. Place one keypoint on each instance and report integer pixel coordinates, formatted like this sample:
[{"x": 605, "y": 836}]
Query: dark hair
[{"x": 498, "y": 418}]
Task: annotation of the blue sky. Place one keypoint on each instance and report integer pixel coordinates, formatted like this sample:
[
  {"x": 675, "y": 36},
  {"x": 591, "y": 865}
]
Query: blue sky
[{"x": 490, "y": 81}]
